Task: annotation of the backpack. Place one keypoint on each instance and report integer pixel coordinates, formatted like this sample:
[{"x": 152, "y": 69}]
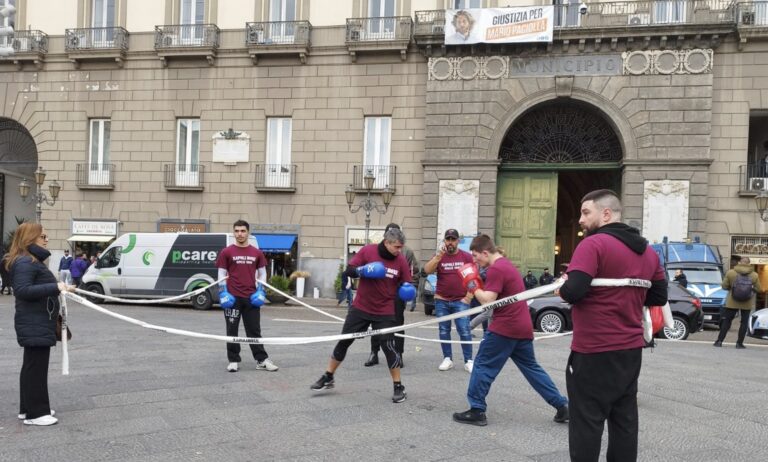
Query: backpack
[{"x": 741, "y": 290}]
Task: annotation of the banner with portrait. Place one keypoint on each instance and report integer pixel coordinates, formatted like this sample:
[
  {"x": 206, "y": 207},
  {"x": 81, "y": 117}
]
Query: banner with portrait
[{"x": 499, "y": 25}]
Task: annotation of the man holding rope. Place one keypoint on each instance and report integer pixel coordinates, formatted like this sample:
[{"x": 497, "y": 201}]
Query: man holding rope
[
  {"x": 384, "y": 274},
  {"x": 607, "y": 346},
  {"x": 509, "y": 336},
  {"x": 241, "y": 295}
]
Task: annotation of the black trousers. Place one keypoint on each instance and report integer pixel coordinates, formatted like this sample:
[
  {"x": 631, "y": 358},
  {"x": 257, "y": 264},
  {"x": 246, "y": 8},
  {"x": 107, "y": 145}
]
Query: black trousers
[
  {"x": 33, "y": 382},
  {"x": 399, "y": 321},
  {"x": 603, "y": 386},
  {"x": 726, "y": 320},
  {"x": 358, "y": 321},
  {"x": 252, "y": 323}
]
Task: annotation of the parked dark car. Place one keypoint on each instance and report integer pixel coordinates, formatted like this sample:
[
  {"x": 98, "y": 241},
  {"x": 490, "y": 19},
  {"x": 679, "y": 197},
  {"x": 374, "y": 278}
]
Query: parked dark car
[{"x": 552, "y": 314}]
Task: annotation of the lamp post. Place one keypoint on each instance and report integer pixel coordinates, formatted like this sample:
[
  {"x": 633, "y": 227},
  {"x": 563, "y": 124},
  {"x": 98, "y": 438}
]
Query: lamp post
[
  {"x": 761, "y": 200},
  {"x": 39, "y": 196},
  {"x": 368, "y": 203}
]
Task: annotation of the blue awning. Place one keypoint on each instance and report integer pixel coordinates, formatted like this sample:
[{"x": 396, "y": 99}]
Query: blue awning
[{"x": 275, "y": 242}]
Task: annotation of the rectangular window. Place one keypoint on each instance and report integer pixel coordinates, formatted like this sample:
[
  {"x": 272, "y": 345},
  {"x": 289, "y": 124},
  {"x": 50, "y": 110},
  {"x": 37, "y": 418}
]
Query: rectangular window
[
  {"x": 669, "y": 11},
  {"x": 103, "y": 22},
  {"x": 278, "y": 164},
  {"x": 383, "y": 28},
  {"x": 191, "y": 18},
  {"x": 98, "y": 157},
  {"x": 464, "y": 4},
  {"x": 188, "y": 152},
  {"x": 567, "y": 13},
  {"x": 9, "y": 21},
  {"x": 377, "y": 141},
  {"x": 281, "y": 14}
]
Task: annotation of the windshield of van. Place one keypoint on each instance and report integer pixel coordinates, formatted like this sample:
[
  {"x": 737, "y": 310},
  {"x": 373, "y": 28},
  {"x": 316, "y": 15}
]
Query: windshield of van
[{"x": 699, "y": 276}]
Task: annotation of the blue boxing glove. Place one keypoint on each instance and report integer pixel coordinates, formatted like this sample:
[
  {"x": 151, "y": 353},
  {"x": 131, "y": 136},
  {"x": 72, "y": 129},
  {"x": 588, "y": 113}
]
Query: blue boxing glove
[
  {"x": 226, "y": 300},
  {"x": 373, "y": 270},
  {"x": 406, "y": 292},
  {"x": 259, "y": 297}
]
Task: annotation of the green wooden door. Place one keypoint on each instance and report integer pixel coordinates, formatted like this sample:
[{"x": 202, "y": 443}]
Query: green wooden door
[{"x": 525, "y": 219}]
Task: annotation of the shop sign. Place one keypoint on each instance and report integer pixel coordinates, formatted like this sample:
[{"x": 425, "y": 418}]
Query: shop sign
[
  {"x": 176, "y": 227},
  {"x": 94, "y": 228},
  {"x": 748, "y": 246}
]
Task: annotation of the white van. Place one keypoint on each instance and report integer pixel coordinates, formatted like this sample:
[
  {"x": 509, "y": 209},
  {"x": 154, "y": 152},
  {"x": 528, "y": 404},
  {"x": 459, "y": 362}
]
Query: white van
[{"x": 159, "y": 265}]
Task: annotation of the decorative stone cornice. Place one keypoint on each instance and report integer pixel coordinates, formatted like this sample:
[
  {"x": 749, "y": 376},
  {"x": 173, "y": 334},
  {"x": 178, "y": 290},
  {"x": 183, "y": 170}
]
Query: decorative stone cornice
[{"x": 667, "y": 62}]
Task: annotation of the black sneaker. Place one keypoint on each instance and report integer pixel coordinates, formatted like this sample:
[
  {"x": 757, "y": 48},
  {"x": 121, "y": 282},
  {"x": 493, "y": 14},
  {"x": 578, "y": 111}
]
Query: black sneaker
[
  {"x": 718, "y": 343},
  {"x": 323, "y": 383},
  {"x": 562, "y": 415},
  {"x": 399, "y": 395},
  {"x": 740, "y": 346},
  {"x": 471, "y": 417}
]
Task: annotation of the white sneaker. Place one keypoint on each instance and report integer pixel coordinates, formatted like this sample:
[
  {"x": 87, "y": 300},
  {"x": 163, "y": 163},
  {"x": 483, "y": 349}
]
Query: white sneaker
[
  {"x": 24, "y": 416},
  {"x": 233, "y": 367},
  {"x": 266, "y": 365},
  {"x": 447, "y": 364},
  {"x": 469, "y": 365},
  {"x": 42, "y": 421}
]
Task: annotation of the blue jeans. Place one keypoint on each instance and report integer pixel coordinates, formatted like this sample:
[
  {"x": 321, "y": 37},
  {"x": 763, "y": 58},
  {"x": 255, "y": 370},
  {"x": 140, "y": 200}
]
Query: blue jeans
[
  {"x": 493, "y": 353},
  {"x": 443, "y": 308},
  {"x": 345, "y": 293}
]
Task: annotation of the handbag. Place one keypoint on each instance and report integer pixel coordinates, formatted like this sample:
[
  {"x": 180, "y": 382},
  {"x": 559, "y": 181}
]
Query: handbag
[{"x": 58, "y": 330}]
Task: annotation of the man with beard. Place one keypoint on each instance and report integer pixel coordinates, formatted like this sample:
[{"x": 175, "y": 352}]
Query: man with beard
[
  {"x": 607, "y": 345},
  {"x": 450, "y": 296}
]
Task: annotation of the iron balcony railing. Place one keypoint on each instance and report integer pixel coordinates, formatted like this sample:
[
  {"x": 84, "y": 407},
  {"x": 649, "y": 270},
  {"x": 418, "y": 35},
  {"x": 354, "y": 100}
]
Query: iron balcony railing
[
  {"x": 186, "y": 36},
  {"x": 95, "y": 176},
  {"x": 430, "y": 22},
  {"x": 752, "y": 14},
  {"x": 385, "y": 177},
  {"x": 393, "y": 28},
  {"x": 184, "y": 176},
  {"x": 276, "y": 176},
  {"x": 277, "y": 33},
  {"x": 754, "y": 177},
  {"x": 27, "y": 41},
  {"x": 96, "y": 38}
]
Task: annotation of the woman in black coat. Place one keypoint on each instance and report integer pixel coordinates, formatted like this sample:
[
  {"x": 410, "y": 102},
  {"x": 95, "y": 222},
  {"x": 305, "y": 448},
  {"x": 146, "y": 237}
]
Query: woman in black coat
[{"x": 37, "y": 309}]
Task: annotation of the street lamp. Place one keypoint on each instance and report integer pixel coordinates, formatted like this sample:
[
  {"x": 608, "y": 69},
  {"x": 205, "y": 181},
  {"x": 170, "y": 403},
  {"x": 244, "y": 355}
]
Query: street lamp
[
  {"x": 368, "y": 203},
  {"x": 39, "y": 195},
  {"x": 761, "y": 200}
]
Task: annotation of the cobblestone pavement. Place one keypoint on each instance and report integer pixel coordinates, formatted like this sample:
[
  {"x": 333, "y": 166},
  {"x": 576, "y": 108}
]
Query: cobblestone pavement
[{"x": 139, "y": 395}]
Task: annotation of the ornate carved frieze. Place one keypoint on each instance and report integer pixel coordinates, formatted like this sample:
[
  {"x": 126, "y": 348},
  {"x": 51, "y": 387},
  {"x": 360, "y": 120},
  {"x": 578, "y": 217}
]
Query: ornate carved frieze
[{"x": 666, "y": 62}]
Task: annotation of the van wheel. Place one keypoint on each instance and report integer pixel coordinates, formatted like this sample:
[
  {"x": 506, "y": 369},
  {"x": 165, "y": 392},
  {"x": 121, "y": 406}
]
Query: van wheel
[
  {"x": 202, "y": 301},
  {"x": 96, "y": 289}
]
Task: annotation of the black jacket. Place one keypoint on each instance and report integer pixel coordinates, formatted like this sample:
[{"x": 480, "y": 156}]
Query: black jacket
[{"x": 37, "y": 302}]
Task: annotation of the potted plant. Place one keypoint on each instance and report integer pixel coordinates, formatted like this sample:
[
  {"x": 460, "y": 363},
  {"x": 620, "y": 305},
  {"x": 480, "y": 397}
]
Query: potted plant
[
  {"x": 280, "y": 283},
  {"x": 300, "y": 279},
  {"x": 337, "y": 282}
]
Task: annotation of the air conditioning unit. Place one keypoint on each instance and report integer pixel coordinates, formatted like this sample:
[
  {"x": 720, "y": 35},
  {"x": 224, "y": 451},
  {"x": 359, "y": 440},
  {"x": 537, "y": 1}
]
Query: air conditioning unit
[
  {"x": 21, "y": 44},
  {"x": 354, "y": 35},
  {"x": 747, "y": 18},
  {"x": 170, "y": 40},
  {"x": 438, "y": 29},
  {"x": 639, "y": 19},
  {"x": 758, "y": 184},
  {"x": 255, "y": 35},
  {"x": 77, "y": 41}
]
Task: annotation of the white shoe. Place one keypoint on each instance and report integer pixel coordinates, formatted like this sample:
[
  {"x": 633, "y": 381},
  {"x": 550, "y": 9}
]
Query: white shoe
[
  {"x": 266, "y": 365},
  {"x": 469, "y": 365},
  {"x": 233, "y": 367},
  {"x": 24, "y": 416},
  {"x": 447, "y": 364},
  {"x": 42, "y": 421}
]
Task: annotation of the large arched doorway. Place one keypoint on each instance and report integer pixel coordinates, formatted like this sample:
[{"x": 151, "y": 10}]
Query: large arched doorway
[
  {"x": 18, "y": 160},
  {"x": 551, "y": 156}
]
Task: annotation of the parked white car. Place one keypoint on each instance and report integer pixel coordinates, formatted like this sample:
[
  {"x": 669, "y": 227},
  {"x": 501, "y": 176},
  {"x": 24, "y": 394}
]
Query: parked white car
[{"x": 758, "y": 324}]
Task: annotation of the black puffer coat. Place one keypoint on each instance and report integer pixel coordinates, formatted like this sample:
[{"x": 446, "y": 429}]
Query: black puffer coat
[{"x": 37, "y": 302}]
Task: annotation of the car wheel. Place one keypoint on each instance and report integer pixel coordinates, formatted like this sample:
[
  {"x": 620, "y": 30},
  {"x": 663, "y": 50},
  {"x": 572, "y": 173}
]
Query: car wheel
[
  {"x": 202, "y": 301},
  {"x": 96, "y": 289},
  {"x": 680, "y": 331},
  {"x": 551, "y": 322}
]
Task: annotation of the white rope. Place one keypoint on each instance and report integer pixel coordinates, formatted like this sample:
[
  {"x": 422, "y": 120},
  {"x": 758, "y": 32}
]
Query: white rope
[
  {"x": 528, "y": 294},
  {"x": 145, "y": 301},
  {"x": 64, "y": 332}
]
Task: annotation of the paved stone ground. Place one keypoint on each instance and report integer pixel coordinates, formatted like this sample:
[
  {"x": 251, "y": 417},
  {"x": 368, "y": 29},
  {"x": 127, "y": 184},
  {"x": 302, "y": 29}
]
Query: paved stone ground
[{"x": 139, "y": 395}]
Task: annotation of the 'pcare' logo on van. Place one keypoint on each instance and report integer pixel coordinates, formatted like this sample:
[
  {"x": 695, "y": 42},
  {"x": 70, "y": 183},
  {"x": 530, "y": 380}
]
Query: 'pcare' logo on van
[{"x": 183, "y": 257}]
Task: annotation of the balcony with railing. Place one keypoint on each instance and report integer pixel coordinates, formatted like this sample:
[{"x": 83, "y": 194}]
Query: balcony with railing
[
  {"x": 187, "y": 41},
  {"x": 753, "y": 179},
  {"x": 275, "y": 177},
  {"x": 96, "y": 43},
  {"x": 751, "y": 20},
  {"x": 610, "y": 20},
  {"x": 95, "y": 176},
  {"x": 278, "y": 38},
  {"x": 28, "y": 46},
  {"x": 184, "y": 177},
  {"x": 385, "y": 177},
  {"x": 385, "y": 34}
]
